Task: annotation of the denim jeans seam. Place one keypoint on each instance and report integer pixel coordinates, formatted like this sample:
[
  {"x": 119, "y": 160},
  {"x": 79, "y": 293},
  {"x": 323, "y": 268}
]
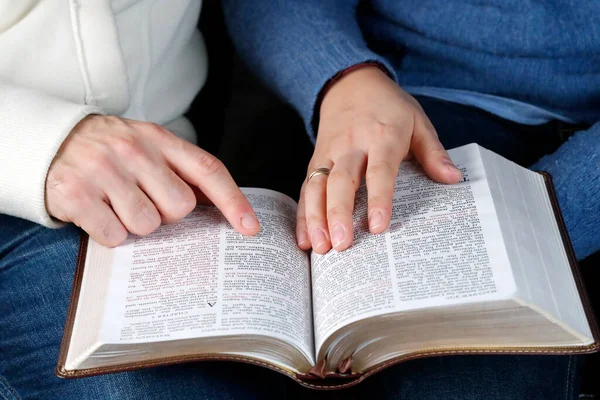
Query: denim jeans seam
[
  {"x": 6, "y": 389},
  {"x": 568, "y": 379}
]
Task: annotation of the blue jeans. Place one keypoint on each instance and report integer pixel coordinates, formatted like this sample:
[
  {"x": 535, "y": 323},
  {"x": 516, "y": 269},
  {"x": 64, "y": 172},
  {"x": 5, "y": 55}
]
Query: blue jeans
[{"x": 36, "y": 272}]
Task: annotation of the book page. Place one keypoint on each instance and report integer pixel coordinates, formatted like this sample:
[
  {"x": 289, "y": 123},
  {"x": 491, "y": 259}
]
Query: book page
[
  {"x": 200, "y": 278},
  {"x": 447, "y": 245},
  {"x": 443, "y": 247}
]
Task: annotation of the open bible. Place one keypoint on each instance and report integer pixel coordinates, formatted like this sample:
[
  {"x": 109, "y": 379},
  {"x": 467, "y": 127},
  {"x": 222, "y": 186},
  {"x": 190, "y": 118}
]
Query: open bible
[{"x": 483, "y": 266}]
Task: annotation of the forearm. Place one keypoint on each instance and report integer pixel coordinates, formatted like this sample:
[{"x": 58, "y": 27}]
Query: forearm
[
  {"x": 575, "y": 169},
  {"x": 297, "y": 46}
]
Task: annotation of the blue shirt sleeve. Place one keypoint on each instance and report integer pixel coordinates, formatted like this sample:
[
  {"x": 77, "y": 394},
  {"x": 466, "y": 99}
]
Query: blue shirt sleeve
[
  {"x": 575, "y": 170},
  {"x": 297, "y": 46}
]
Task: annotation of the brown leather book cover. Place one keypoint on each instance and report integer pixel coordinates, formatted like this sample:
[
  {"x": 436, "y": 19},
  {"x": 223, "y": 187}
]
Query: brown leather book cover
[{"x": 343, "y": 377}]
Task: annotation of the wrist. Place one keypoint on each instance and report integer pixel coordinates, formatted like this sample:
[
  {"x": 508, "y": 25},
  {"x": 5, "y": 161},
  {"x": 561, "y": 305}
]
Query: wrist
[
  {"x": 353, "y": 73},
  {"x": 358, "y": 84}
]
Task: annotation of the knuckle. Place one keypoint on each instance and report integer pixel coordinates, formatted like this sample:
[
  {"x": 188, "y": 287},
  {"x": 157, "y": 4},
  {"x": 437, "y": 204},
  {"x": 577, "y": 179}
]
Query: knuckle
[
  {"x": 155, "y": 129},
  {"x": 77, "y": 203},
  {"x": 155, "y": 224},
  {"x": 129, "y": 148},
  {"x": 140, "y": 207},
  {"x": 340, "y": 174},
  {"x": 438, "y": 155},
  {"x": 145, "y": 218},
  {"x": 236, "y": 199},
  {"x": 143, "y": 229},
  {"x": 340, "y": 210},
  {"x": 113, "y": 236},
  {"x": 371, "y": 127},
  {"x": 438, "y": 149},
  {"x": 315, "y": 220},
  {"x": 188, "y": 201},
  {"x": 98, "y": 162},
  {"x": 343, "y": 176},
  {"x": 181, "y": 208},
  {"x": 380, "y": 169},
  {"x": 209, "y": 164},
  {"x": 300, "y": 222},
  {"x": 77, "y": 194}
]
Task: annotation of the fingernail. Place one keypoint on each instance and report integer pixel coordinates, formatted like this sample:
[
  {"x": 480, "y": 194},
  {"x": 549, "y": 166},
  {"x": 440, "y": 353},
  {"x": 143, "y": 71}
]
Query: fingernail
[
  {"x": 376, "y": 219},
  {"x": 302, "y": 237},
  {"x": 338, "y": 236},
  {"x": 318, "y": 238},
  {"x": 249, "y": 221}
]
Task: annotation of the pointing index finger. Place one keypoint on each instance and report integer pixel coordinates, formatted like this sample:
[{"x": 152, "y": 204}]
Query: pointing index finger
[{"x": 202, "y": 169}]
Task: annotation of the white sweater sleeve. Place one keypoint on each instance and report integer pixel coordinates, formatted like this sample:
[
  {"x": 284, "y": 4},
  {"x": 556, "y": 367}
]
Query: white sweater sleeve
[{"x": 33, "y": 126}]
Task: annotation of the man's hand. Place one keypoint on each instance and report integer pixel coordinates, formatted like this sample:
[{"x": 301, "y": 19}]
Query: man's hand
[
  {"x": 367, "y": 126},
  {"x": 112, "y": 176}
]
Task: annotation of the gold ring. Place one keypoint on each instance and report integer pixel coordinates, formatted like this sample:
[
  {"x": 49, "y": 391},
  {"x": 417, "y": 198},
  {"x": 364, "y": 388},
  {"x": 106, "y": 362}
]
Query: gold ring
[{"x": 318, "y": 171}]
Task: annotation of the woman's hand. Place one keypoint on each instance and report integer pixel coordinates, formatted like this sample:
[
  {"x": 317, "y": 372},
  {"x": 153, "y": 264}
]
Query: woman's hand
[
  {"x": 367, "y": 126},
  {"x": 113, "y": 176}
]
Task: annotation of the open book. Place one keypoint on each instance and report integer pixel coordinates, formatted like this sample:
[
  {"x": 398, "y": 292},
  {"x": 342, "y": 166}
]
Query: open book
[{"x": 483, "y": 266}]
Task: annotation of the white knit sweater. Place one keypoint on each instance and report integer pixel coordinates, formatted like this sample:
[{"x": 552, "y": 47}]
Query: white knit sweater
[{"x": 61, "y": 60}]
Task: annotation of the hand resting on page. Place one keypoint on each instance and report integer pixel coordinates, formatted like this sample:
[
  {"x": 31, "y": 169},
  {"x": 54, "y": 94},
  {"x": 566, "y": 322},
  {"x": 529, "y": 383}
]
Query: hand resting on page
[
  {"x": 112, "y": 176},
  {"x": 367, "y": 126}
]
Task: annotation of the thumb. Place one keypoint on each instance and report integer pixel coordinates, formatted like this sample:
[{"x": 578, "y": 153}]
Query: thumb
[{"x": 430, "y": 153}]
